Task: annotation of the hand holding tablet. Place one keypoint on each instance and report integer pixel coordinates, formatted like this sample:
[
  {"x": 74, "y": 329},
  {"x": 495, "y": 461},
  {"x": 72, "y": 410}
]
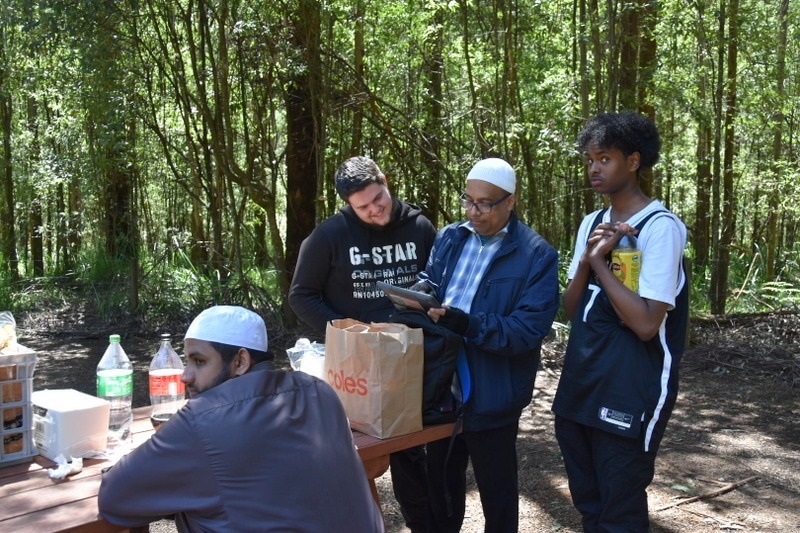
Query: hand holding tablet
[{"x": 406, "y": 298}]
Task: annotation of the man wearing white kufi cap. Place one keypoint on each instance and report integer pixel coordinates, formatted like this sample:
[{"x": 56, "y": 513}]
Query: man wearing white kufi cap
[
  {"x": 254, "y": 449},
  {"x": 498, "y": 282}
]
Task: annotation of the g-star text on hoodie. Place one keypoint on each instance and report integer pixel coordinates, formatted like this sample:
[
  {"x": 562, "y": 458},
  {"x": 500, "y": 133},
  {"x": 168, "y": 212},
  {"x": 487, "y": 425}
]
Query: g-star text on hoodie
[
  {"x": 393, "y": 260},
  {"x": 384, "y": 255}
]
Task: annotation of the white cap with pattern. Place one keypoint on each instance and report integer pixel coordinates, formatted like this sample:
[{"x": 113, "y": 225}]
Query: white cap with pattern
[
  {"x": 495, "y": 171},
  {"x": 231, "y": 325}
]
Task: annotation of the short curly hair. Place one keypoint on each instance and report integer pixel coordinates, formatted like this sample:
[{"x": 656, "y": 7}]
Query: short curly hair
[
  {"x": 628, "y": 132},
  {"x": 356, "y": 174}
]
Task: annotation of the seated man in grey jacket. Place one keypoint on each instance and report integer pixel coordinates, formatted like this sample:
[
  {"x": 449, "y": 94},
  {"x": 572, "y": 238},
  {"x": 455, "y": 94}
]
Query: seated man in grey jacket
[{"x": 254, "y": 449}]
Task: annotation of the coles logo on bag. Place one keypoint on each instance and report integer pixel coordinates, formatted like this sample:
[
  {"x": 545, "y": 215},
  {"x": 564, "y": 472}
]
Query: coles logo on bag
[{"x": 347, "y": 384}]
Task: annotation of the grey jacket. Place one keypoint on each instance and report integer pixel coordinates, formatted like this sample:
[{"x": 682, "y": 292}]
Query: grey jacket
[{"x": 267, "y": 451}]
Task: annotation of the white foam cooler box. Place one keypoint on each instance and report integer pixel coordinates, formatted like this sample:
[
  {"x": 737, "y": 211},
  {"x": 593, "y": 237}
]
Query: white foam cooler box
[
  {"x": 16, "y": 387},
  {"x": 69, "y": 423}
]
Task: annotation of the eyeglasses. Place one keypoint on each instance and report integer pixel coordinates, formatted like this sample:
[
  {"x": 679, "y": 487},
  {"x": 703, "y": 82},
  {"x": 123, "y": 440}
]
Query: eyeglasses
[{"x": 482, "y": 208}]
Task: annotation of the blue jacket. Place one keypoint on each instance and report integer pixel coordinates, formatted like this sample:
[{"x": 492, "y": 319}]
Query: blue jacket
[{"x": 511, "y": 313}]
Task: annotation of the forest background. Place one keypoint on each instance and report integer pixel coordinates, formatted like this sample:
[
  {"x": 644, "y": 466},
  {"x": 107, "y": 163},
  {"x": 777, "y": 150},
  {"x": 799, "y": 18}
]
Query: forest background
[{"x": 159, "y": 156}]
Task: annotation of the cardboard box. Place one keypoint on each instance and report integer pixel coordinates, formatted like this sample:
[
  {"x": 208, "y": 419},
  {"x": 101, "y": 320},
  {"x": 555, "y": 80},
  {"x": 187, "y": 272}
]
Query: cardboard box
[{"x": 69, "y": 423}]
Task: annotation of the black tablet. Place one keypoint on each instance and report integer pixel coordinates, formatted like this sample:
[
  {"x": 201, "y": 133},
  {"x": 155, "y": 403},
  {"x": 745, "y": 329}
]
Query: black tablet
[{"x": 406, "y": 298}]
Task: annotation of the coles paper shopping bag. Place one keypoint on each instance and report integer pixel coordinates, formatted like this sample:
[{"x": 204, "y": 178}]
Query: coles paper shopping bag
[{"x": 376, "y": 369}]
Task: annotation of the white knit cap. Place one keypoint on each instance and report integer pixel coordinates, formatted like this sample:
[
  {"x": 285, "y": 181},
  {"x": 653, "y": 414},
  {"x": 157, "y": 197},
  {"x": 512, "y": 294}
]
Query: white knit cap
[
  {"x": 231, "y": 325},
  {"x": 495, "y": 171}
]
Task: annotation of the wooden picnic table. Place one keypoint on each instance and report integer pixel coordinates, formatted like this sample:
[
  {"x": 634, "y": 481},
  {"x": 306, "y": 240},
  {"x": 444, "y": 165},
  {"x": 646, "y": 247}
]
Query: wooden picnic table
[
  {"x": 375, "y": 452},
  {"x": 30, "y": 502}
]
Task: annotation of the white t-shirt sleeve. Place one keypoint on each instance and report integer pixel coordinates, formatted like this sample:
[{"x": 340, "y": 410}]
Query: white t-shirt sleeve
[{"x": 662, "y": 242}]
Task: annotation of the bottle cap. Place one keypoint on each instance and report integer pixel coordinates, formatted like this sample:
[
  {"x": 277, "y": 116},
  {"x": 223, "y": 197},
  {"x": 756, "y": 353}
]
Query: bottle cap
[
  {"x": 166, "y": 337},
  {"x": 113, "y": 338}
]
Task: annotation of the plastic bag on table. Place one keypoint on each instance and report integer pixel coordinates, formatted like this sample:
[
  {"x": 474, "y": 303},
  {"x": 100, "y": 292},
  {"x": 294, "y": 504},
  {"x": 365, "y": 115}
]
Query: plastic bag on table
[
  {"x": 8, "y": 332},
  {"x": 308, "y": 357}
]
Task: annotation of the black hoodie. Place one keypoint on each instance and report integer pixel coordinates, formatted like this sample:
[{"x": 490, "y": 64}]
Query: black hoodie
[{"x": 341, "y": 260}]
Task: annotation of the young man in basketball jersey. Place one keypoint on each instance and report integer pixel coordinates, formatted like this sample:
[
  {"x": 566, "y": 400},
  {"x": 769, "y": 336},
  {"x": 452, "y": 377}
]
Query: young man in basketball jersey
[{"x": 620, "y": 376}]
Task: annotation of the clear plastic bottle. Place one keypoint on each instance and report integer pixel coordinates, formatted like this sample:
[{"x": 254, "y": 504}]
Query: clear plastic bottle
[
  {"x": 167, "y": 391},
  {"x": 115, "y": 384}
]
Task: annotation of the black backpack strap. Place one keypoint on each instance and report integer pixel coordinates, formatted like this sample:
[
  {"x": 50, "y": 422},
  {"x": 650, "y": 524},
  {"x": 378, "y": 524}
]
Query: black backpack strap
[
  {"x": 644, "y": 221},
  {"x": 597, "y": 220},
  {"x": 678, "y": 319}
]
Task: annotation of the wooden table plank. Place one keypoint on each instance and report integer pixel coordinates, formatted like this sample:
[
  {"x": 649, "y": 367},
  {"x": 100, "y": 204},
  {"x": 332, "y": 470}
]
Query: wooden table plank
[
  {"x": 34, "y": 503},
  {"x": 369, "y": 447},
  {"x": 80, "y": 516}
]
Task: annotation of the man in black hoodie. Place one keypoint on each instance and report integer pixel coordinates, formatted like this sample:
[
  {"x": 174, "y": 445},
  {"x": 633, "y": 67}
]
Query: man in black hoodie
[{"x": 373, "y": 238}]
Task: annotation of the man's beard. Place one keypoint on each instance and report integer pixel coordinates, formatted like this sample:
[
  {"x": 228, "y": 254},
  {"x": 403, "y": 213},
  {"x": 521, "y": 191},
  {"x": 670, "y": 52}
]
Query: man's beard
[{"x": 223, "y": 376}]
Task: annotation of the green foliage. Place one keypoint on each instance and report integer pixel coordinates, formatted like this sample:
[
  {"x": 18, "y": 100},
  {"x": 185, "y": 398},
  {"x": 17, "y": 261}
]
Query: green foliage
[
  {"x": 175, "y": 288},
  {"x": 144, "y": 92},
  {"x": 105, "y": 282},
  {"x": 749, "y": 290},
  {"x": 7, "y": 300}
]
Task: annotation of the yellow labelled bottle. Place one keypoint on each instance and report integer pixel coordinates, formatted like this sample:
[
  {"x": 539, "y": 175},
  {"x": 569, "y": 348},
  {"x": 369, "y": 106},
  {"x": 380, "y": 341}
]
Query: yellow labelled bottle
[{"x": 626, "y": 264}]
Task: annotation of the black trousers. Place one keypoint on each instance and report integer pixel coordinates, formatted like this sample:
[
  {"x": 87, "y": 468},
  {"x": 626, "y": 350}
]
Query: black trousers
[
  {"x": 608, "y": 477},
  {"x": 494, "y": 461},
  {"x": 410, "y": 486}
]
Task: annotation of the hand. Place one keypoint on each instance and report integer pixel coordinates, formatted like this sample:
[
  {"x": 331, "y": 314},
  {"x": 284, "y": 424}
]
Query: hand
[
  {"x": 423, "y": 287},
  {"x": 455, "y": 320},
  {"x": 604, "y": 239}
]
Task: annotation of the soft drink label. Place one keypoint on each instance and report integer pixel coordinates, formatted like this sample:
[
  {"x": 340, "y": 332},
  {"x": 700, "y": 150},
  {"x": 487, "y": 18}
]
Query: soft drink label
[
  {"x": 626, "y": 263},
  {"x": 166, "y": 382},
  {"x": 115, "y": 382}
]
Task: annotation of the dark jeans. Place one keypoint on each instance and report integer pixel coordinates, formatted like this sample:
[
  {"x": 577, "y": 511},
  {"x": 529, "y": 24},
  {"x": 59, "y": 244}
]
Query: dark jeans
[
  {"x": 608, "y": 477},
  {"x": 494, "y": 460},
  {"x": 410, "y": 485}
]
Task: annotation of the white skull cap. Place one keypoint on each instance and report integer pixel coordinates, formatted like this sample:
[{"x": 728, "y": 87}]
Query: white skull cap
[
  {"x": 495, "y": 171},
  {"x": 230, "y": 324}
]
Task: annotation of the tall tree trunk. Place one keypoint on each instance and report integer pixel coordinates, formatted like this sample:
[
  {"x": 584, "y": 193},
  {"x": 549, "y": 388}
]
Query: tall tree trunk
[
  {"x": 578, "y": 200},
  {"x": 429, "y": 145},
  {"x": 719, "y": 278},
  {"x": 612, "y": 52},
  {"x": 359, "y": 82},
  {"x": 475, "y": 113},
  {"x": 581, "y": 67},
  {"x": 8, "y": 235},
  {"x": 36, "y": 241},
  {"x": 647, "y": 62},
  {"x": 716, "y": 178},
  {"x": 703, "y": 152},
  {"x": 74, "y": 221},
  {"x": 702, "y": 224},
  {"x": 628, "y": 56},
  {"x": 115, "y": 134},
  {"x": 775, "y": 192},
  {"x": 212, "y": 71},
  {"x": 36, "y": 224},
  {"x": 598, "y": 53},
  {"x": 304, "y": 123}
]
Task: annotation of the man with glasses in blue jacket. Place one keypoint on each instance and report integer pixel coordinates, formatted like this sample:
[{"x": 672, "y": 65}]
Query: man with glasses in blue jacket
[{"x": 497, "y": 280}]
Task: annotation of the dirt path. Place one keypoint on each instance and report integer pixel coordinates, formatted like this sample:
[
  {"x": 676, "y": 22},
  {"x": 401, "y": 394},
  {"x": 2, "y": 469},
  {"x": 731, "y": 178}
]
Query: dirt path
[{"x": 737, "y": 418}]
